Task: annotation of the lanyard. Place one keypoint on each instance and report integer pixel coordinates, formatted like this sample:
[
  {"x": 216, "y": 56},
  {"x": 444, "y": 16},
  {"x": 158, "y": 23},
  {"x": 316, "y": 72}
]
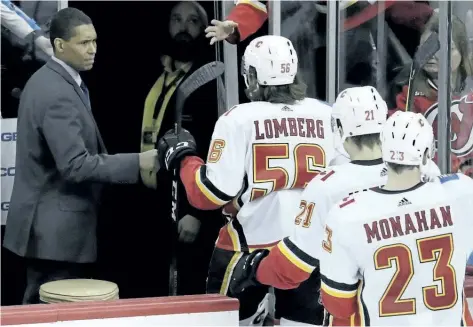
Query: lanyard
[{"x": 164, "y": 91}]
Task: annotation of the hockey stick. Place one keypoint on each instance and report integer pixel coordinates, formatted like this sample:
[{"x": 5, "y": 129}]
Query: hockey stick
[
  {"x": 421, "y": 57},
  {"x": 200, "y": 77}
]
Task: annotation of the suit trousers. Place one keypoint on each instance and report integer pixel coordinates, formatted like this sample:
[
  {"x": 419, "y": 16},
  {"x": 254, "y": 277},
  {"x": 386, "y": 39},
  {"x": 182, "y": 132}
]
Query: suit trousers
[{"x": 39, "y": 271}]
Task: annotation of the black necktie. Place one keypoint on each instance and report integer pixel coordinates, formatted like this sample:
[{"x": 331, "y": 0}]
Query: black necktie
[{"x": 84, "y": 89}]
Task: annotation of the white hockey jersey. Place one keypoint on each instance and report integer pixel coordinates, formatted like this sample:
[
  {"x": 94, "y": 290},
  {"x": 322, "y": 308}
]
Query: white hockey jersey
[
  {"x": 399, "y": 258},
  {"x": 259, "y": 148},
  {"x": 296, "y": 256},
  {"x": 327, "y": 189}
]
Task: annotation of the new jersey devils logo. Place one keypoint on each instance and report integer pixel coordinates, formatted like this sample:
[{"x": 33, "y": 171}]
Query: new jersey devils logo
[{"x": 462, "y": 124}]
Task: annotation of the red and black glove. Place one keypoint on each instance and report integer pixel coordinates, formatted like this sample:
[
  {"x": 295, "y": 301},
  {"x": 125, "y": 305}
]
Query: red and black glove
[
  {"x": 244, "y": 273},
  {"x": 172, "y": 148}
]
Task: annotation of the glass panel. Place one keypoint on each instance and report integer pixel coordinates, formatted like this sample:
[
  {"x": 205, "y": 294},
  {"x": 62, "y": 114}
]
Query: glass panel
[
  {"x": 459, "y": 148},
  {"x": 230, "y": 59},
  {"x": 462, "y": 87},
  {"x": 61, "y": 4},
  {"x": 219, "y": 56},
  {"x": 274, "y": 17},
  {"x": 40, "y": 11},
  {"x": 357, "y": 48},
  {"x": 21, "y": 57},
  {"x": 305, "y": 25},
  {"x": 377, "y": 40}
]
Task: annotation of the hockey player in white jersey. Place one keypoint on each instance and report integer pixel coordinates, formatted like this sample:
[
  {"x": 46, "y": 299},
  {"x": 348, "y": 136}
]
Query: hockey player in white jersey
[
  {"x": 359, "y": 114},
  {"x": 397, "y": 253},
  {"x": 262, "y": 155}
]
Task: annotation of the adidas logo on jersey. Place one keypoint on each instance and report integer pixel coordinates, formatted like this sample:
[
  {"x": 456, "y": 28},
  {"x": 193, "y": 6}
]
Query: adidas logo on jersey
[
  {"x": 403, "y": 202},
  {"x": 384, "y": 172},
  {"x": 286, "y": 108}
]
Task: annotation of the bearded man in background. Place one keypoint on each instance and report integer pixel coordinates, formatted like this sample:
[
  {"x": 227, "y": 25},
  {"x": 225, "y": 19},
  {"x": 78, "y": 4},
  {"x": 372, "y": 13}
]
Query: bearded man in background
[{"x": 185, "y": 50}]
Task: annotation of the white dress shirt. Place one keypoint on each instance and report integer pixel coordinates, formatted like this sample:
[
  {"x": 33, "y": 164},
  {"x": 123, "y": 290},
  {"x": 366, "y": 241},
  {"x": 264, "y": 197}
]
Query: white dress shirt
[{"x": 74, "y": 74}]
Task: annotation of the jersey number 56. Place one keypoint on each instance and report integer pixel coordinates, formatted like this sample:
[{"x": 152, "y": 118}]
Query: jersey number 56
[{"x": 306, "y": 164}]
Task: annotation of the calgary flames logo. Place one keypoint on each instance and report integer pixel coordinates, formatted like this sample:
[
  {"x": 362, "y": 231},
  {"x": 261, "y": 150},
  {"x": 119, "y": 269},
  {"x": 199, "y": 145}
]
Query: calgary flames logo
[{"x": 461, "y": 122}]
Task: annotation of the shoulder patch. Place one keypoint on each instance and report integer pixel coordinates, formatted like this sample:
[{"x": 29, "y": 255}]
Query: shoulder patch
[
  {"x": 326, "y": 174},
  {"x": 346, "y": 201},
  {"x": 447, "y": 178}
]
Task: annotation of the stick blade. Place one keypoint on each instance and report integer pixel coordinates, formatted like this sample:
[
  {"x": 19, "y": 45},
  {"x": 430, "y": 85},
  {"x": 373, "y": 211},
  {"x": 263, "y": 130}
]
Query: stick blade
[
  {"x": 427, "y": 50},
  {"x": 201, "y": 76}
]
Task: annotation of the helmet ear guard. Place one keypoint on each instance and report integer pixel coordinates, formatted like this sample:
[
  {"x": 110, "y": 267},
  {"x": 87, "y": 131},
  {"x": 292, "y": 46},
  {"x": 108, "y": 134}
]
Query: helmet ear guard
[
  {"x": 244, "y": 71},
  {"x": 406, "y": 138},
  {"x": 252, "y": 90}
]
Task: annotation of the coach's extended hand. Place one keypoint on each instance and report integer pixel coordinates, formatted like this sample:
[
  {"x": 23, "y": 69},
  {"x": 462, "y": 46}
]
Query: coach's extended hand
[
  {"x": 173, "y": 148},
  {"x": 244, "y": 273}
]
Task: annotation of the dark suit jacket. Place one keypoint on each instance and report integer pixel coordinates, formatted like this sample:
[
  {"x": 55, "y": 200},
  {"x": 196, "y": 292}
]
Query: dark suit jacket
[{"x": 61, "y": 162}]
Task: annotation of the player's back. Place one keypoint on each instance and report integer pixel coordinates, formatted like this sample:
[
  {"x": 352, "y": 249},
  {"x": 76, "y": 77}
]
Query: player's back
[
  {"x": 411, "y": 249},
  {"x": 340, "y": 181},
  {"x": 287, "y": 145},
  {"x": 326, "y": 190}
]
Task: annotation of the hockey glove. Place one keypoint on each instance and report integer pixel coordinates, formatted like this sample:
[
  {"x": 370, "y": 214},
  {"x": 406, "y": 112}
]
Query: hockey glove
[
  {"x": 244, "y": 273},
  {"x": 173, "y": 148}
]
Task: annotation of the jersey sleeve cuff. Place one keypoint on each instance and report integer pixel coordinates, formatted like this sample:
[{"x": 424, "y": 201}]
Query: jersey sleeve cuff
[
  {"x": 283, "y": 269},
  {"x": 201, "y": 192},
  {"x": 209, "y": 189},
  {"x": 339, "y": 299},
  {"x": 296, "y": 256},
  {"x": 339, "y": 290}
]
